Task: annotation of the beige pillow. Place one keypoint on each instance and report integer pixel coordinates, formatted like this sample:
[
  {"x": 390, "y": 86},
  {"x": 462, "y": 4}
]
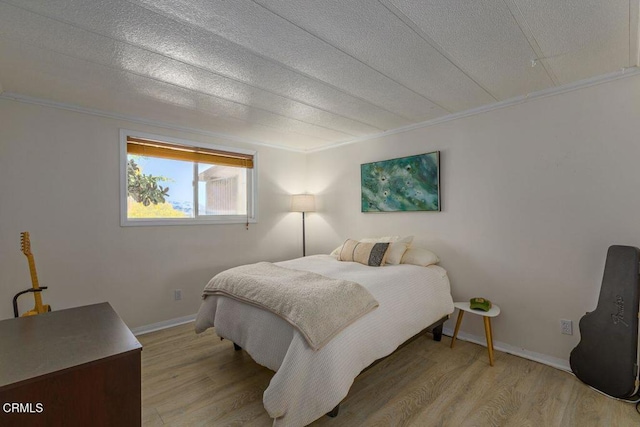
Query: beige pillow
[
  {"x": 419, "y": 256},
  {"x": 371, "y": 254},
  {"x": 395, "y": 252},
  {"x": 394, "y": 239},
  {"x": 397, "y": 249}
]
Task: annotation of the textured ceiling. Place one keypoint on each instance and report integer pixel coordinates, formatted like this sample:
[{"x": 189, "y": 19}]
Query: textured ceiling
[{"x": 306, "y": 73}]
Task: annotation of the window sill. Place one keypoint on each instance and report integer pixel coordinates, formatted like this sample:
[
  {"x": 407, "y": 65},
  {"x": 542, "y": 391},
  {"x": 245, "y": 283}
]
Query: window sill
[{"x": 183, "y": 221}]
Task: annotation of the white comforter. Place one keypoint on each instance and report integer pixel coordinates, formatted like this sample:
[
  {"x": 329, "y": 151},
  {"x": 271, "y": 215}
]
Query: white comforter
[{"x": 309, "y": 383}]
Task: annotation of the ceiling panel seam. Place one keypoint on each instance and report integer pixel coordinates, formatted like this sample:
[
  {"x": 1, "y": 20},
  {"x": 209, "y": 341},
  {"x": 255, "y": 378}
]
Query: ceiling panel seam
[
  {"x": 200, "y": 93},
  {"x": 356, "y": 59},
  {"x": 216, "y": 73},
  {"x": 524, "y": 26},
  {"x": 408, "y": 22},
  {"x": 283, "y": 65}
]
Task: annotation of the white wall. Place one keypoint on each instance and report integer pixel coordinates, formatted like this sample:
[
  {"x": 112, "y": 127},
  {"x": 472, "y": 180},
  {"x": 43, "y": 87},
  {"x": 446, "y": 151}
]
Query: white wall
[
  {"x": 59, "y": 180},
  {"x": 532, "y": 197}
]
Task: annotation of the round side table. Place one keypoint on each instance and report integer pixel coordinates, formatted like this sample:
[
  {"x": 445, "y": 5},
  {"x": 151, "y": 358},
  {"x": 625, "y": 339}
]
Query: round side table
[{"x": 486, "y": 315}]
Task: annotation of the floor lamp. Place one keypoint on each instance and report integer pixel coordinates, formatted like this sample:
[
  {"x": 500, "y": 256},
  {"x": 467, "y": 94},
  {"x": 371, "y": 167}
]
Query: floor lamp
[{"x": 303, "y": 203}]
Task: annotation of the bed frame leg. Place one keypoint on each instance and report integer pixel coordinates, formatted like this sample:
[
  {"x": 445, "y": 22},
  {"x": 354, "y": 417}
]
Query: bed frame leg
[
  {"x": 236, "y": 347},
  {"x": 437, "y": 333},
  {"x": 334, "y": 411}
]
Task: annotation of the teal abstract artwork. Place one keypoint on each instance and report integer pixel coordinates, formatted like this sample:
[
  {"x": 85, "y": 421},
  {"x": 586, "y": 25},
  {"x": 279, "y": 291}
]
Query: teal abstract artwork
[{"x": 404, "y": 184}]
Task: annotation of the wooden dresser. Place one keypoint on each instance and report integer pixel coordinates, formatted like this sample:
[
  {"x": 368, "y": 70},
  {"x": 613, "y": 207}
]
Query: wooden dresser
[{"x": 74, "y": 367}]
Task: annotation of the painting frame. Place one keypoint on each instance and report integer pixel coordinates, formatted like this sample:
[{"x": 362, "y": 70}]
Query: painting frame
[{"x": 402, "y": 184}]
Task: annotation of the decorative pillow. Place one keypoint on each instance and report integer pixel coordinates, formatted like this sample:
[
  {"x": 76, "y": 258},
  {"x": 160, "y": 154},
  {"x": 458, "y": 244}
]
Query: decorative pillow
[
  {"x": 419, "y": 256},
  {"x": 395, "y": 252},
  {"x": 391, "y": 258},
  {"x": 398, "y": 245},
  {"x": 371, "y": 254}
]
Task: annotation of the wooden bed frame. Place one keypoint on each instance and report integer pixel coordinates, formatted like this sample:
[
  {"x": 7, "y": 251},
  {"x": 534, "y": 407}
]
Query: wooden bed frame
[{"x": 435, "y": 329}]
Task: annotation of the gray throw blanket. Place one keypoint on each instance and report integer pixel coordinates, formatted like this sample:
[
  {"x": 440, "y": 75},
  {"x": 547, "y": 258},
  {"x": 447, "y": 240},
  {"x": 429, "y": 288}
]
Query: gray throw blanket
[{"x": 317, "y": 306}]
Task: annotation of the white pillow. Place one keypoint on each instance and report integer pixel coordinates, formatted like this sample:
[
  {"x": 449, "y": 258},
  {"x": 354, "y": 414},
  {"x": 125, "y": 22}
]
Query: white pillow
[
  {"x": 388, "y": 239},
  {"x": 419, "y": 256},
  {"x": 406, "y": 239}
]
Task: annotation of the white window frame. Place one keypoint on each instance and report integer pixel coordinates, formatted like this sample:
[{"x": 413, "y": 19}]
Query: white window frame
[{"x": 252, "y": 187}]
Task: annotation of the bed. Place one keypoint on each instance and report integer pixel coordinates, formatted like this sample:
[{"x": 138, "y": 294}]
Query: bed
[{"x": 309, "y": 383}]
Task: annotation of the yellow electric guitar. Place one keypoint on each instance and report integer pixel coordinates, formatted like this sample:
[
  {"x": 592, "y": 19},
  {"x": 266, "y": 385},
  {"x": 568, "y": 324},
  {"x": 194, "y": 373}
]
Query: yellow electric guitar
[{"x": 36, "y": 289}]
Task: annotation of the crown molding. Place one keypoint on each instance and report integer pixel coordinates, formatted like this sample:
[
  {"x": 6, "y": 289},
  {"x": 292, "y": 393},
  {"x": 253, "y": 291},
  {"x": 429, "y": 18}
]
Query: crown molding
[
  {"x": 606, "y": 78},
  {"x": 12, "y": 96},
  {"x": 570, "y": 87}
]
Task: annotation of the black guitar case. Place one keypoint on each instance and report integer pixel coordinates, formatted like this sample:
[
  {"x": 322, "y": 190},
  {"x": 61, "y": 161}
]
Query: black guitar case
[{"x": 606, "y": 357}]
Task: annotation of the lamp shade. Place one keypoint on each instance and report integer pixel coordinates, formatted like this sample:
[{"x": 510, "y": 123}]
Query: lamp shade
[{"x": 303, "y": 203}]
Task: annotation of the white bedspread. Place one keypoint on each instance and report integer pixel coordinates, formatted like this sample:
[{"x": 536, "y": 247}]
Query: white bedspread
[
  {"x": 309, "y": 383},
  {"x": 318, "y": 307}
]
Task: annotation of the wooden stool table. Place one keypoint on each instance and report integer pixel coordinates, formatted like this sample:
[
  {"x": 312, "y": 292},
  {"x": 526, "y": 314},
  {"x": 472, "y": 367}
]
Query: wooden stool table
[{"x": 487, "y": 315}]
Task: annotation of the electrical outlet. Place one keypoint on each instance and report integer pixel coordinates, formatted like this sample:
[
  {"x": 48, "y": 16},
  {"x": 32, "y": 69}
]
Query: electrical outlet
[
  {"x": 177, "y": 295},
  {"x": 566, "y": 327}
]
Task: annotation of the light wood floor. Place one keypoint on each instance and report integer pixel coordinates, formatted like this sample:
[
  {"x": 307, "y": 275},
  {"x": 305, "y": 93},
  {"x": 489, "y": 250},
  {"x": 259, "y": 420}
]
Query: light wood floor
[{"x": 198, "y": 380}]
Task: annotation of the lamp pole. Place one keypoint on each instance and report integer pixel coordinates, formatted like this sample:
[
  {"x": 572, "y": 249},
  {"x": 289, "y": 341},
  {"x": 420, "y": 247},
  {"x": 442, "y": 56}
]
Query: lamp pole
[
  {"x": 303, "y": 203},
  {"x": 303, "y": 242}
]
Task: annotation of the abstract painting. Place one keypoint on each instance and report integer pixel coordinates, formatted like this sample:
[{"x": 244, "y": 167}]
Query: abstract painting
[{"x": 404, "y": 184}]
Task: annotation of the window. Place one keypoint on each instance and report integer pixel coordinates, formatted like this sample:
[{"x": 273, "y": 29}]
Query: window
[{"x": 170, "y": 181}]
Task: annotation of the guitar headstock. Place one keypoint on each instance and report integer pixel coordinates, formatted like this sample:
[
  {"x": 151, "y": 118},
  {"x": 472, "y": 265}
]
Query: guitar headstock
[{"x": 25, "y": 243}]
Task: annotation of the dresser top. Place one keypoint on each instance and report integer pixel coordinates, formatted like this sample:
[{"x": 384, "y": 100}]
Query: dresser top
[{"x": 39, "y": 345}]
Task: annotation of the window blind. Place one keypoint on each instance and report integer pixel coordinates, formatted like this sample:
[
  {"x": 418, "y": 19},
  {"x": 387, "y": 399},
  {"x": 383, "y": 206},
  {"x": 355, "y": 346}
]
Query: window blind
[{"x": 149, "y": 148}]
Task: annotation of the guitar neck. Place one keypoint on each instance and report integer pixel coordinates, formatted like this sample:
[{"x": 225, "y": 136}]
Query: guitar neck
[
  {"x": 32, "y": 270},
  {"x": 39, "y": 308}
]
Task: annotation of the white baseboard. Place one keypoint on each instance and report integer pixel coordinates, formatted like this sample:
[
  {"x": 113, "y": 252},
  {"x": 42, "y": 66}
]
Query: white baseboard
[
  {"x": 555, "y": 362},
  {"x": 498, "y": 345},
  {"x": 141, "y": 330}
]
